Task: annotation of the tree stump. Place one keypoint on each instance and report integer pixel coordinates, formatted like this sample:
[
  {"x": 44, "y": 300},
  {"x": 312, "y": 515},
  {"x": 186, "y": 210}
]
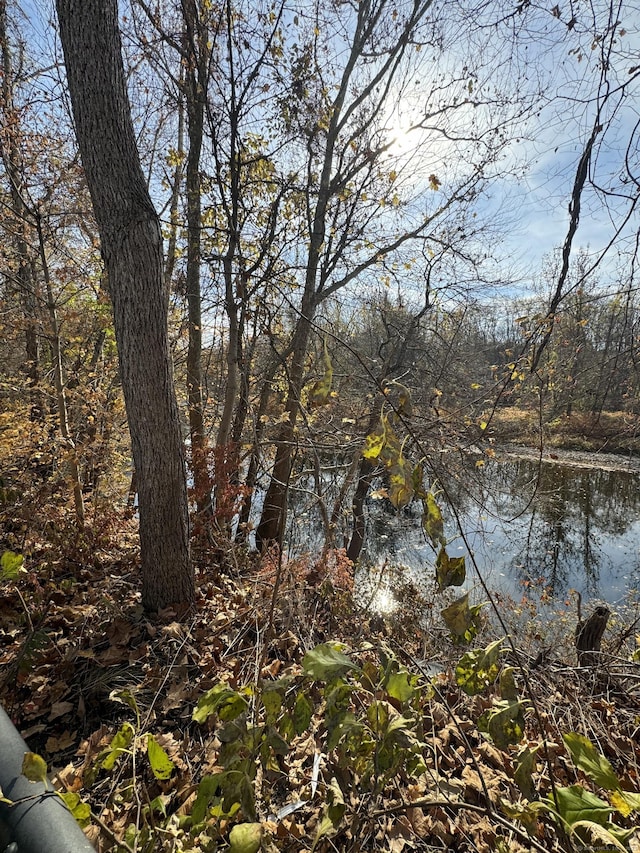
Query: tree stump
[{"x": 589, "y": 636}]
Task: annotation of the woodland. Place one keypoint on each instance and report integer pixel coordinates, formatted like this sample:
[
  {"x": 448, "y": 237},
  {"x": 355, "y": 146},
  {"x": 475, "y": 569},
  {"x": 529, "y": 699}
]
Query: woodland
[{"x": 259, "y": 252}]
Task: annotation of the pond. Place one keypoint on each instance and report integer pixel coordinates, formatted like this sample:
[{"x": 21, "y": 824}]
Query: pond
[{"x": 534, "y": 527}]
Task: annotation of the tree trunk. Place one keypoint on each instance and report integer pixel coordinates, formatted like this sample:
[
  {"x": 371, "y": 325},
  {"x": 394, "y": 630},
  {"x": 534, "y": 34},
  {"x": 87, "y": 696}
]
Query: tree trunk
[
  {"x": 11, "y": 149},
  {"x": 132, "y": 251},
  {"x": 60, "y": 386},
  {"x": 589, "y": 636},
  {"x": 196, "y": 53},
  {"x": 273, "y": 518}
]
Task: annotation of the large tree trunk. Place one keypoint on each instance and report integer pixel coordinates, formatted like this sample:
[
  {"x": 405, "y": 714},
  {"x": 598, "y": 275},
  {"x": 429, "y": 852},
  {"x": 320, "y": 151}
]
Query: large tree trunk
[{"x": 132, "y": 252}]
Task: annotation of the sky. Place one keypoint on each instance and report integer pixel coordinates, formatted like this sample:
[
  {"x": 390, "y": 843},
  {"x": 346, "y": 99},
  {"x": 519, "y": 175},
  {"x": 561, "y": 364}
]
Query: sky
[
  {"x": 554, "y": 148},
  {"x": 532, "y": 192}
]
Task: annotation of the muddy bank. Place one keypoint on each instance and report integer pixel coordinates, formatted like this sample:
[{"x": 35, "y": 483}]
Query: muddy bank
[{"x": 572, "y": 458}]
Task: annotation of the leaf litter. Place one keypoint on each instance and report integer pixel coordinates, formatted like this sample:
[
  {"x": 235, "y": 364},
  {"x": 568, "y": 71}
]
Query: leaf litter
[{"x": 95, "y": 685}]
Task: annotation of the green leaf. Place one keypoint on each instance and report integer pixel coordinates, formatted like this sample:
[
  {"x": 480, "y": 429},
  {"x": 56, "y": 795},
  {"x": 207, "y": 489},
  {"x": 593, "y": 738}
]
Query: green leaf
[
  {"x": 527, "y": 813},
  {"x": 327, "y": 662},
  {"x": 417, "y": 476},
  {"x": 340, "y": 726},
  {"x": 450, "y": 571},
  {"x": 461, "y": 619},
  {"x": 590, "y": 761},
  {"x": 378, "y": 716},
  {"x": 159, "y": 804},
  {"x": 302, "y": 714},
  {"x": 245, "y": 838},
  {"x": 277, "y": 743},
  {"x": 324, "y": 828},
  {"x": 391, "y": 453},
  {"x": 11, "y": 564},
  {"x": 333, "y": 812},
  {"x": 237, "y": 792},
  {"x": 478, "y": 669},
  {"x": 400, "y": 731},
  {"x": 504, "y": 722},
  {"x": 120, "y": 743},
  {"x": 600, "y": 834},
  {"x": 161, "y": 765},
  {"x": 320, "y": 394},
  {"x": 34, "y": 767},
  {"x": 81, "y": 811},
  {"x": 399, "y": 687},
  {"x": 575, "y": 804},
  {"x": 432, "y": 520},
  {"x": 523, "y": 774},
  {"x": 125, "y": 697},
  {"x": 221, "y": 699},
  {"x": 508, "y": 689},
  {"x": 272, "y": 701},
  {"x": 404, "y": 400},
  {"x": 401, "y": 483},
  {"x": 208, "y": 787}
]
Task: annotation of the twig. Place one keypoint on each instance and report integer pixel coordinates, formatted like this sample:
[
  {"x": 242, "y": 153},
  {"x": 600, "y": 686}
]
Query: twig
[{"x": 111, "y": 834}]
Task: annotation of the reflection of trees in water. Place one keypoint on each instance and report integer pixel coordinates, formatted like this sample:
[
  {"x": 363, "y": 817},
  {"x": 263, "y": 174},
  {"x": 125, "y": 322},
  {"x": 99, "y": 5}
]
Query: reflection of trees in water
[
  {"x": 567, "y": 513},
  {"x": 552, "y": 525}
]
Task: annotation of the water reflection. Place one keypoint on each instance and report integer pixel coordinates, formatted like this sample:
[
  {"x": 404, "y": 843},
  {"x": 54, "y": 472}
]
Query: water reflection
[{"x": 542, "y": 527}]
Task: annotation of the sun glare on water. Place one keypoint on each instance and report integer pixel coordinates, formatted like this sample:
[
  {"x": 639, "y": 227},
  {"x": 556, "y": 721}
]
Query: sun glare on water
[{"x": 383, "y": 601}]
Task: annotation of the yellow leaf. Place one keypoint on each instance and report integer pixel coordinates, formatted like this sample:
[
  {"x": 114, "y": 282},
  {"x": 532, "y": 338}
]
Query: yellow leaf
[
  {"x": 34, "y": 767},
  {"x": 245, "y": 838},
  {"x": 401, "y": 480},
  {"x": 374, "y": 442},
  {"x": 432, "y": 520}
]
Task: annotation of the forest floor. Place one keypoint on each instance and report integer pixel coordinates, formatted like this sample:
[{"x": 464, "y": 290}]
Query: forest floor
[{"x": 274, "y": 705}]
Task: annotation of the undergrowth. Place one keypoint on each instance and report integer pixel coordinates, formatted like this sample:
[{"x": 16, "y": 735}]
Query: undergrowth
[{"x": 275, "y": 716}]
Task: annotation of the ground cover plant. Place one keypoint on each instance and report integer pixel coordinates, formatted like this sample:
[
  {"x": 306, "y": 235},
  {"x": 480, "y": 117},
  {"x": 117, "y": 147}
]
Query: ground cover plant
[{"x": 245, "y": 725}]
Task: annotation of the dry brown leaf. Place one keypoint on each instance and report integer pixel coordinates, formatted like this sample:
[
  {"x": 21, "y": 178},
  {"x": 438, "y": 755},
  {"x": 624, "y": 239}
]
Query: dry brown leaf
[
  {"x": 491, "y": 755},
  {"x": 419, "y": 821},
  {"x": 58, "y": 709},
  {"x": 57, "y": 744},
  {"x": 68, "y": 779},
  {"x": 442, "y": 830}
]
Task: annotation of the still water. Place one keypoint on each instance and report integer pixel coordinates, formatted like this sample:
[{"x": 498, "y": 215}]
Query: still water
[{"x": 539, "y": 528}]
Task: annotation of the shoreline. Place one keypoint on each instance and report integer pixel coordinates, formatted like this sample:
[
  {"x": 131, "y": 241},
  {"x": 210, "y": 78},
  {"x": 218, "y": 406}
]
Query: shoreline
[{"x": 627, "y": 462}]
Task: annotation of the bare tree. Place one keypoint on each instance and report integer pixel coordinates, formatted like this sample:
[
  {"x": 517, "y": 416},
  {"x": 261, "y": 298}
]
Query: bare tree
[{"x": 363, "y": 207}]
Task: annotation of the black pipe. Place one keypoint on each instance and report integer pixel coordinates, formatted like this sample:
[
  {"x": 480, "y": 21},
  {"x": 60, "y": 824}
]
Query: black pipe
[{"x": 38, "y": 821}]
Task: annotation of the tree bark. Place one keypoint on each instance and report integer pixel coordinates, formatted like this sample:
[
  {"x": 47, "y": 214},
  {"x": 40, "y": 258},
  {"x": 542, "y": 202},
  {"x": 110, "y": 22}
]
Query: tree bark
[
  {"x": 197, "y": 62},
  {"x": 132, "y": 251},
  {"x": 12, "y": 159},
  {"x": 60, "y": 385}
]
